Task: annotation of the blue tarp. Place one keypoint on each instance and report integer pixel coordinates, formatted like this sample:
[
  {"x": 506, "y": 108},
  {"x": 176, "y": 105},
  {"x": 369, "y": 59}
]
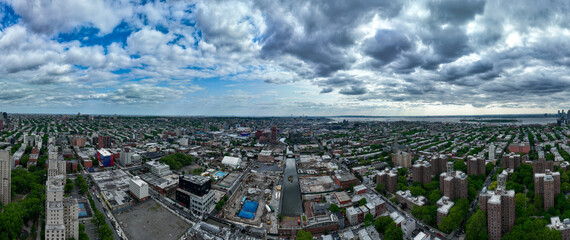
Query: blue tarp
[
  {"x": 244, "y": 214},
  {"x": 250, "y": 206}
]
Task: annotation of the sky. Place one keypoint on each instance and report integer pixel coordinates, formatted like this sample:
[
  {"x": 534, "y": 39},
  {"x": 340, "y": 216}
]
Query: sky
[{"x": 281, "y": 58}]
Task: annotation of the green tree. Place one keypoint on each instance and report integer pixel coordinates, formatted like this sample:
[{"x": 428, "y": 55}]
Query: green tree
[
  {"x": 434, "y": 196},
  {"x": 394, "y": 233},
  {"x": 417, "y": 191},
  {"x": 382, "y": 223},
  {"x": 476, "y": 228},
  {"x": 362, "y": 202},
  {"x": 455, "y": 216},
  {"x": 520, "y": 205},
  {"x": 489, "y": 167},
  {"x": 304, "y": 235},
  {"x": 380, "y": 187},
  {"x": 368, "y": 218},
  {"x": 532, "y": 228},
  {"x": 334, "y": 208},
  {"x": 459, "y": 165},
  {"x": 538, "y": 201},
  {"x": 68, "y": 186}
]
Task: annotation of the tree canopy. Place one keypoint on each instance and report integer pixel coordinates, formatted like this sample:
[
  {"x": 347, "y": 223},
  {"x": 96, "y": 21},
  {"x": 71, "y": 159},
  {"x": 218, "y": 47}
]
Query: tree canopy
[
  {"x": 177, "y": 160},
  {"x": 476, "y": 228},
  {"x": 304, "y": 235}
]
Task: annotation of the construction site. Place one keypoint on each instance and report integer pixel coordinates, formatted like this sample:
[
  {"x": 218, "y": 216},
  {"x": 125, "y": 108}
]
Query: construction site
[{"x": 250, "y": 203}]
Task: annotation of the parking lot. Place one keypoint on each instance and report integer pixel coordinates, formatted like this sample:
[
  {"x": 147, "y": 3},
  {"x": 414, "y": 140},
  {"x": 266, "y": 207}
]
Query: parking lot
[{"x": 151, "y": 219}]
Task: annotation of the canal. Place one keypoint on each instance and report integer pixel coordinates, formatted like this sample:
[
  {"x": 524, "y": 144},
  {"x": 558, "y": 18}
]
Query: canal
[{"x": 291, "y": 203}]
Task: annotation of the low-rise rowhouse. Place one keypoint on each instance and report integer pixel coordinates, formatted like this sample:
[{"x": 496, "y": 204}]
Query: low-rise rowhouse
[{"x": 405, "y": 197}]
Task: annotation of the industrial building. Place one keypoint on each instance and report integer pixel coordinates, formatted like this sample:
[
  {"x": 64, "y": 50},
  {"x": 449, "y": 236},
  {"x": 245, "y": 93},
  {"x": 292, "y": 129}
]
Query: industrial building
[
  {"x": 233, "y": 162},
  {"x": 114, "y": 186}
]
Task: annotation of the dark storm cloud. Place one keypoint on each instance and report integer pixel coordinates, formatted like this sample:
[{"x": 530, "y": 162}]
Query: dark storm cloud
[
  {"x": 455, "y": 72},
  {"x": 327, "y": 30},
  {"x": 327, "y": 90},
  {"x": 353, "y": 90},
  {"x": 386, "y": 45},
  {"x": 455, "y": 12}
]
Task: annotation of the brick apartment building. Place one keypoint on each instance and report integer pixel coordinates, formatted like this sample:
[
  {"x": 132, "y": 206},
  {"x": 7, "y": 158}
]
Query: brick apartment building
[
  {"x": 547, "y": 185},
  {"x": 475, "y": 166},
  {"x": 500, "y": 208},
  {"x": 389, "y": 178},
  {"x": 421, "y": 172},
  {"x": 453, "y": 184}
]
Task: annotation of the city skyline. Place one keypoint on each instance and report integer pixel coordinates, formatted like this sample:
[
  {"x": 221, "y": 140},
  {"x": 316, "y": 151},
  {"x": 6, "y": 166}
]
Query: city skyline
[{"x": 257, "y": 58}]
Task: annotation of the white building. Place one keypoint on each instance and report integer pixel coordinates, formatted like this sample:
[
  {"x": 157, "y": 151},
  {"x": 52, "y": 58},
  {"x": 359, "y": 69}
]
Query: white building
[
  {"x": 56, "y": 164},
  {"x": 408, "y": 227},
  {"x": 352, "y": 215},
  {"x": 138, "y": 188},
  {"x": 126, "y": 156},
  {"x": 231, "y": 161},
  {"x": 61, "y": 213},
  {"x": 158, "y": 168},
  {"x": 183, "y": 142},
  {"x": 492, "y": 152},
  {"x": 5, "y": 177}
]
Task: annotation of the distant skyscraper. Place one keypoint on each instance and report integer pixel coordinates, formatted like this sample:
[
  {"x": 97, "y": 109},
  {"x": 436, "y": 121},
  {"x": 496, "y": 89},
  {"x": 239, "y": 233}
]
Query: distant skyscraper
[{"x": 5, "y": 177}]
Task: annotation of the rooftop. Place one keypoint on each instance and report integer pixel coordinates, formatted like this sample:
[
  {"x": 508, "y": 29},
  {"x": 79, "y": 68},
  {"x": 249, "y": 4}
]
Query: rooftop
[{"x": 196, "y": 179}]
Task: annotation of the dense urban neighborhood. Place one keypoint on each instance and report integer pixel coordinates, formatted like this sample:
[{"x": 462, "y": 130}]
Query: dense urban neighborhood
[{"x": 133, "y": 177}]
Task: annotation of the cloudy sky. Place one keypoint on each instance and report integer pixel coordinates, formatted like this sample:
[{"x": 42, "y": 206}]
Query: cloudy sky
[{"x": 258, "y": 57}]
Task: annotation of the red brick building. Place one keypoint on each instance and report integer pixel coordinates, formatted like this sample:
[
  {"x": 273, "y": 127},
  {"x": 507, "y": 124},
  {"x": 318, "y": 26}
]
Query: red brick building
[
  {"x": 511, "y": 160},
  {"x": 500, "y": 208},
  {"x": 345, "y": 180},
  {"x": 547, "y": 185},
  {"x": 475, "y": 166},
  {"x": 421, "y": 172},
  {"x": 389, "y": 178},
  {"x": 542, "y": 166},
  {"x": 522, "y": 147}
]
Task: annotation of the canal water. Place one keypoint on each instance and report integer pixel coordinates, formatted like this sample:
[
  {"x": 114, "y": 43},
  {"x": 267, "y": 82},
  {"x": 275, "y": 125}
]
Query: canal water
[{"x": 291, "y": 203}]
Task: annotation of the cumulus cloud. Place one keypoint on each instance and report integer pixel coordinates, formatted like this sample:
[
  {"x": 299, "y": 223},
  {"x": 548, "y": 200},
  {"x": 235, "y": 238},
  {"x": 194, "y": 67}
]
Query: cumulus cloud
[{"x": 363, "y": 54}]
